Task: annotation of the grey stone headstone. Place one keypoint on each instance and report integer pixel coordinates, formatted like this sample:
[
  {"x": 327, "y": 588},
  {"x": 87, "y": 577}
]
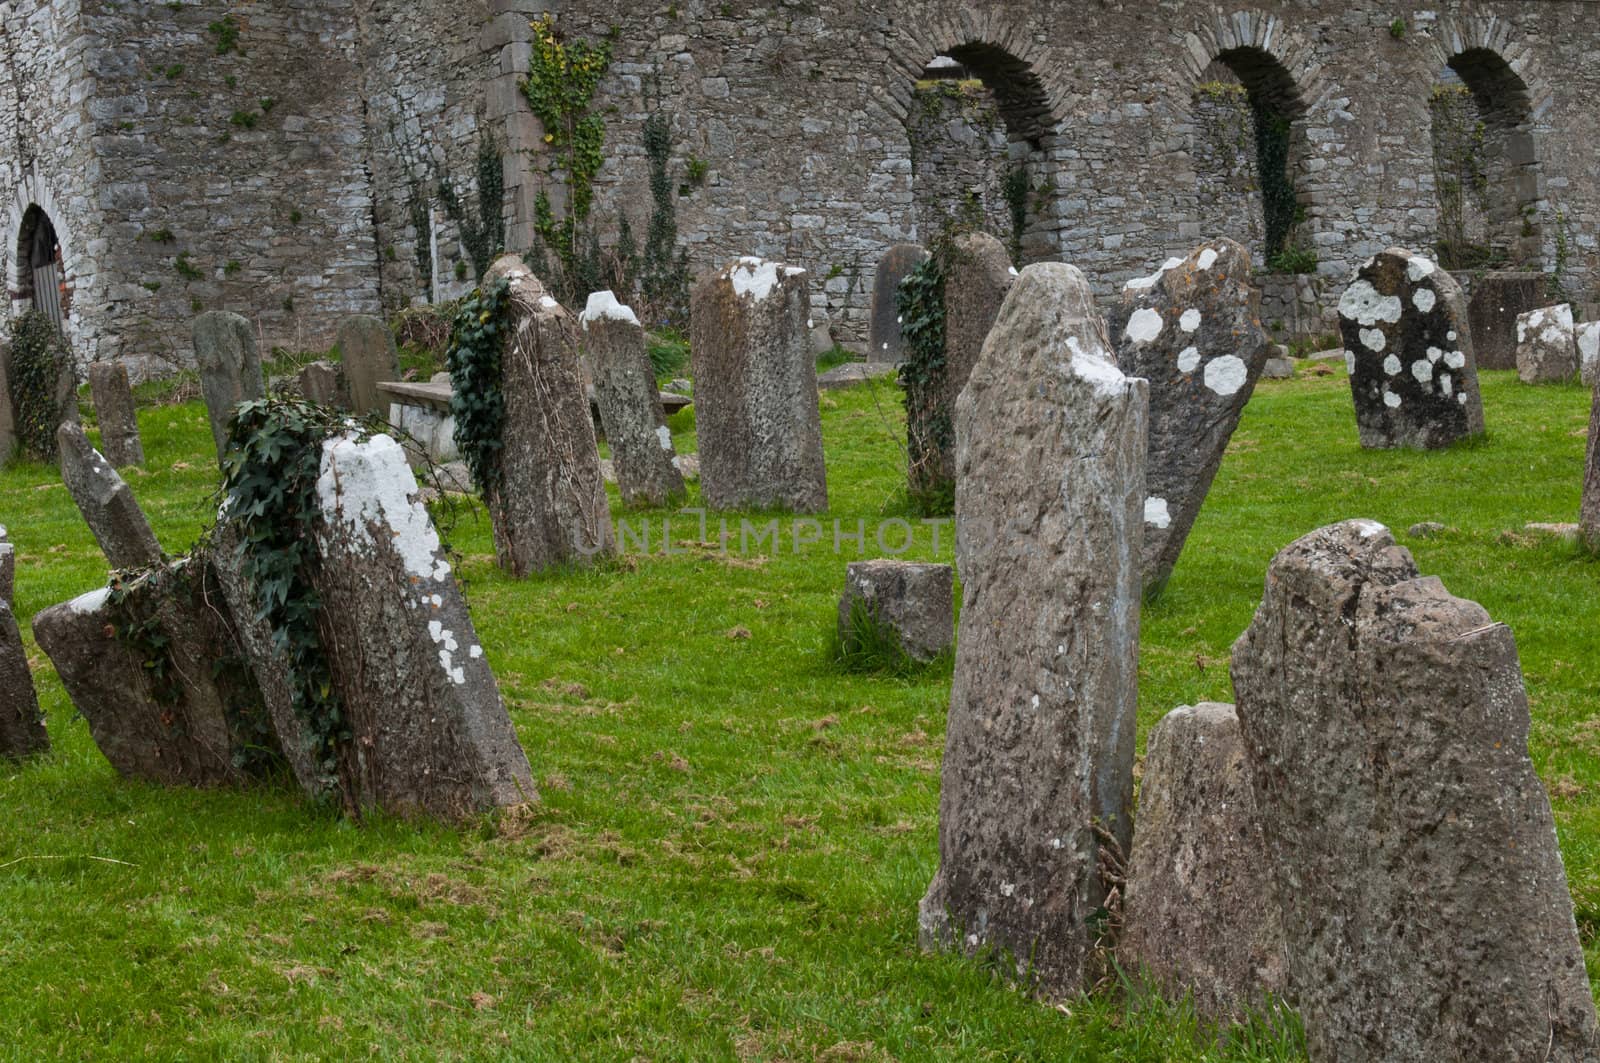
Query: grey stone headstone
[
  {"x": 370, "y": 358},
  {"x": 1547, "y": 346},
  {"x": 8, "y": 422},
  {"x": 1193, "y": 330},
  {"x": 22, "y": 732},
  {"x": 630, "y": 406},
  {"x": 551, "y": 506},
  {"x": 756, "y": 403},
  {"x": 230, "y": 368},
  {"x": 1589, "y": 353},
  {"x": 1409, "y": 353},
  {"x": 114, "y": 409},
  {"x": 428, "y": 731},
  {"x": 106, "y": 502},
  {"x": 1498, "y": 299},
  {"x": 321, "y": 383},
  {"x": 1199, "y": 913},
  {"x": 885, "y": 341},
  {"x": 8, "y": 569},
  {"x": 911, "y": 601},
  {"x": 1413, "y": 853},
  {"x": 1050, "y": 494},
  {"x": 1589, "y": 517}
]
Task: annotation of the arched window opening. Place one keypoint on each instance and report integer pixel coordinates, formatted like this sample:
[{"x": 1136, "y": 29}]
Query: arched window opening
[{"x": 41, "y": 272}]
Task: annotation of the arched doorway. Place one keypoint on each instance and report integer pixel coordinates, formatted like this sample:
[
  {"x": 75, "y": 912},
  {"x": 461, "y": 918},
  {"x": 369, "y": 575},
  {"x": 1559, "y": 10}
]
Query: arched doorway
[
  {"x": 1485, "y": 163},
  {"x": 40, "y": 273}
]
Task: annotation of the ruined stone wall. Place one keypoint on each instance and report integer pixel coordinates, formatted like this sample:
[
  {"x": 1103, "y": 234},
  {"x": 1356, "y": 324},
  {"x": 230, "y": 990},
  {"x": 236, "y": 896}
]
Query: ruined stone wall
[{"x": 961, "y": 159}]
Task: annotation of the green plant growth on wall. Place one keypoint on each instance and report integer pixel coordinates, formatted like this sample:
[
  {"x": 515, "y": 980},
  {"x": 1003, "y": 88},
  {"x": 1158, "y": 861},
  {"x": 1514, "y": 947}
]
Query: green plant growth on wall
[
  {"x": 477, "y": 402},
  {"x": 664, "y": 272},
  {"x": 1280, "y": 207},
  {"x": 1461, "y": 183},
  {"x": 929, "y": 429},
  {"x": 483, "y": 233},
  {"x": 417, "y": 208},
  {"x": 1017, "y": 191},
  {"x": 42, "y": 384},
  {"x": 226, "y": 31}
]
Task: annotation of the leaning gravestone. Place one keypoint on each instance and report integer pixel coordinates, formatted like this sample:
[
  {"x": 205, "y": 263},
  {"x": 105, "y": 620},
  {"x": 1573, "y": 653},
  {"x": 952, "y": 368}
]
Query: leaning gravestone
[
  {"x": 1498, "y": 299},
  {"x": 1412, "y": 848},
  {"x": 105, "y": 501},
  {"x": 1589, "y": 518},
  {"x": 22, "y": 732},
  {"x": 1193, "y": 330},
  {"x": 1038, "y": 761},
  {"x": 755, "y": 390},
  {"x": 1409, "y": 353},
  {"x": 550, "y": 505},
  {"x": 885, "y": 341},
  {"x": 114, "y": 409},
  {"x": 912, "y": 603},
  {"x": 230, "y": 368},
  {"x": 370, "y": 358},
  {"x": 1199, "y": 914},
  {"x": 1547, "y": 346},
  {"x": 424, "y": 729},
  {"x": 630, "y": 404}
]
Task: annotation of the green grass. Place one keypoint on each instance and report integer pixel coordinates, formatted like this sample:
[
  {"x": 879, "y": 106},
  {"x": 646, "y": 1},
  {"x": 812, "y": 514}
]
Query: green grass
[{"x": 734, "y": 832}]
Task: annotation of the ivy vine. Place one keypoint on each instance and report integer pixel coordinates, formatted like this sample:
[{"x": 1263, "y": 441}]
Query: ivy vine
[
  {"x": 930, "y": 431},
  {"x": 477, "y": 341},
  {"x": 664, "y": 272},
  {"x": 484, "y": 235},
  {"x": 41, "y": 374}
]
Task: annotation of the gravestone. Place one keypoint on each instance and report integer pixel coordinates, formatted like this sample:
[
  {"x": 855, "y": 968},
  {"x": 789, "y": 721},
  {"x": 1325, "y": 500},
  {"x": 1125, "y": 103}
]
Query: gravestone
[
  {"x": 427, "y": 731},
  {"x": 369, "y": 356},
  {"x": 1589, "y": 353},
  {"x": 755, "y": 390},
  {"x": 322, "y": 383},
  {"x": 885, "y": 341},
  {"x": 105, "y": 501},
  {"x": 1413, "y": 852},
  {"x": 630, "y": 406},
  {"x": 8, "y": 567},
  {"x": 230, "y": 368},
  {"x": 22, "y": 732},
  {"x": 114, "y": 408},
  {"x": 1498, "y": 299},
  {"x": 8, "y": 413},
  {"x": 1199, "y": 915},
  {"x": 1409, "y": 354},
  {"x": 1547, "y": 346},
  {"x": 910, "y": 602},
  {"x": 1589, "y": 517},
  {"x": 1193, "y": 330},
  {"x": 1050, "y": 439},
  {"x": 978, "y": 275},
  {"x": 550, "y": 507}
]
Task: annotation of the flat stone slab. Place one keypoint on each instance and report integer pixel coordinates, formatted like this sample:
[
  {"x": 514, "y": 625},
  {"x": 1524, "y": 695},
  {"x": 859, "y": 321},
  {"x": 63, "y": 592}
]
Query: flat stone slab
[
  {"x": 432, "y": 395},
  {"x": 851, "y": 373}
]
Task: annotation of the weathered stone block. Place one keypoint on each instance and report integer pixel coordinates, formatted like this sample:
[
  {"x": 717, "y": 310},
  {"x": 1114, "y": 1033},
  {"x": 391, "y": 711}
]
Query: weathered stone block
[
  {"x": 1199, "y": 914},
  {"x": 114, "y": 409},
  {"x": 630, "y": 406},
  {"x": 369, "y": 356},
  {"x": 912, "y": 602},
  {"x": 107, "y": 504},
  {"x": 1412, "y": 848},
  {"x": 756, "y": 405},
  {"x": 1193, "y": 330},
  {"x": 1547, "y": 345},
  {"x": 1409, "y": 353},
  {"x": 22, "y": 732},
  {"x": 885, "y": 343},
  {"x": 1038, "y": 758},
  {"x": 1498, "y": 299},
  {"x": 230, "y": 368}
]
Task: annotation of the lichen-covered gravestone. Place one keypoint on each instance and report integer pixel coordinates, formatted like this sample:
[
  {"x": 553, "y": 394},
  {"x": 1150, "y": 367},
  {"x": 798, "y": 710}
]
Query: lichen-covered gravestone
[
  {"x": 1589, "y": 518},
  {"x": 1193, "y": 330},
  {"x": 1498, "y": 299},
  {"x": 230, "y": 368},
  {"x": 1199, "y": 913},
  {"x": 1050, "y": 438},
  {"x": 114, "y": 409},
  {"x": 22, "y": 732},
  {"x": 369, "y": 356},
  {"x": 885, "y": 341},
  {"x": 107, "y": 505},
  {"x": 1547, "y": 345},
  {"x": 550, "y": 506},
  {"x": 911, "y": 603},
  {"x": 1413, "y": 852},
  {"x": 1588, "y": 335},
  {"x": 630, "y": 404},
  {"x": 1409, "y": 354},
  {"x": 424, "y": 729},
  {"x": 755, "y": 390}
]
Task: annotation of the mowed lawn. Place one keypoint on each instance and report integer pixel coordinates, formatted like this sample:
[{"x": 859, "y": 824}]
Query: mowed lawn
[{"x": 733, "y": 834}]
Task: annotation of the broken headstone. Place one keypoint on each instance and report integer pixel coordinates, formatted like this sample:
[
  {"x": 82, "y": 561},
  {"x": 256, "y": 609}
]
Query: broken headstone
[
  {"x": 114, "y": 409},
  {"x": 630, "y": 406},
  {"x": 367, "y": 352},
  {"x": 1547, "y": 345},
  {"x": 106, "y": 502},
  {"x": 905, "y": 602},
  {"x": 885, "y": 342},
  {"x": 230, "y": 368}
]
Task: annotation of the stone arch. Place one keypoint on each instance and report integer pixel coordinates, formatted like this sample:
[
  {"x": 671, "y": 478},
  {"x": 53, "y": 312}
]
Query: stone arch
[
  {"x": 1508, "y": 96},
  {"x": 33, "y": 204}
]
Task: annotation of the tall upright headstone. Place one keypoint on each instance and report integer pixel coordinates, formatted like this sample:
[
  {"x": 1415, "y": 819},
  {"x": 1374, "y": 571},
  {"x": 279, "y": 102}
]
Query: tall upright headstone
[
  {"x": 755, "y": 390},
  {"x": 1193, "y": 330},
  {"x": 1409, "y": 353},
  {"x": 1589, "y": 517},
  {"x": 630, "y": 404},
  {"x": 1547, "y": 345},
  {"x": 22, "y": 732},
  {"x": 114, "y": 409},
  {"x": 1589, "y": 353},
  {"x": 230, "y": 368},
  {"x": 1050, "y": 438},
  {"x": 550, "y": 506},
  {"x": 1413, "y": 852},
  {"x": 8, "y": 567},
  {"x": 105, "y": 501},
  {"x": 370, "y": 358},
  {"x": 8, "y": 416},
  {"x": 1498, "y": 299},
  {"x": 885, "y": 341}
]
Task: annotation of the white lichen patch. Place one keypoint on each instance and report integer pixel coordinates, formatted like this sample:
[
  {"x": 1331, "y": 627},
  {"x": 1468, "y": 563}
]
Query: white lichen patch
[
  {"x": 1190, "y": 320},
  {"x": 369, "y": 484},
  {"x": 1390, "y": 399},
  {"x": 1422, "y": 369},
  {"x": 664, "y": 437},
  {"x": 1456, "y": 359},
  {"x": 1391, "y": 365},
  {"x": 1350, "y": 362},
  {"x": 756, "y": 277},
  {"x": 1369, "y": 528},
  {"x": 1188, "y": 359},
  {"x": 1156, "y": 513},
  {"x": 1374, "y": 340},
  {"x": 1143, "y": 284},
  {"x": 1419, "y": 268},
  {"x": 547, "y": 303},
  {"x": 603, "y": 306},
  {"x": 1434, "y": 354},
  {"x": 1362, "y": 304},
  {"x": 1424, "y": 299},
  {"x": 92, "y": 602},
  {"x": 1208, "y": 258},
  {"x": 1226, "y": 375},
  {"x": 1446, "y": 384},
  {"x": 1144, "y": 325},
  {"x": 1092, "y": 365}
]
